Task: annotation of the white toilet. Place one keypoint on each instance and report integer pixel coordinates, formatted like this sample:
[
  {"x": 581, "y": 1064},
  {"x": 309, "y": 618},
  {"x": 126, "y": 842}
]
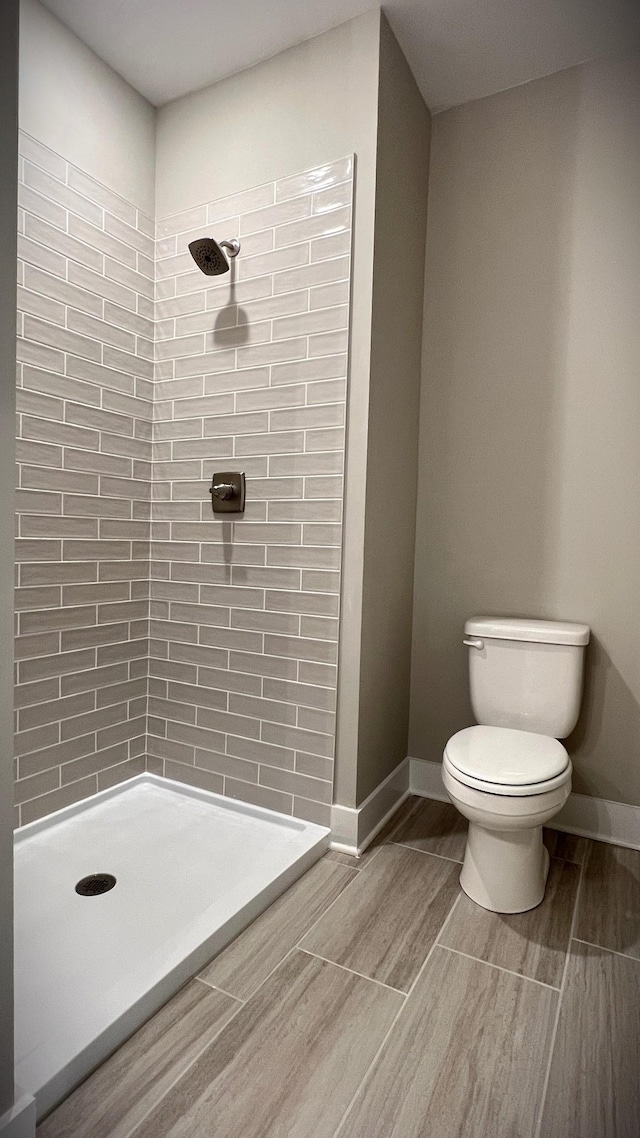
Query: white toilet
[{"x": 510, "y": 774}]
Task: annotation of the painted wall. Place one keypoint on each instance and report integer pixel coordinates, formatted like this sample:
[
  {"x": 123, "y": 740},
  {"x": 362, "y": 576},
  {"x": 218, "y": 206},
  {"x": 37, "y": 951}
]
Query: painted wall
[
  {"x": 72, "y": 102},
  {"x": 402, "y": 169},
  {"x": 8, "y": 194},
  {"x": 311, "y": 104},
  {"x": 529, "y": 496}
]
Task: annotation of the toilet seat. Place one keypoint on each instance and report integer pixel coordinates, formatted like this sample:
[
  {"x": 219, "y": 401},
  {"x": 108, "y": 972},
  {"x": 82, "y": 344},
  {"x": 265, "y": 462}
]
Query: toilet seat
[{"x": 504, "y": 761}]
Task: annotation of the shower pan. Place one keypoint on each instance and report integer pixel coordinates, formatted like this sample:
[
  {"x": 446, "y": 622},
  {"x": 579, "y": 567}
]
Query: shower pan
[{"x": 144, "y": 883}]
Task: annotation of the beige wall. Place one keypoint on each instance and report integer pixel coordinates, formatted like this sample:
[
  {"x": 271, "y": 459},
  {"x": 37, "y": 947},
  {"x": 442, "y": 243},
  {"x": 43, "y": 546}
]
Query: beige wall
[
  {"x": 314, "y": 103},
  {"x": 529, "y": 498},
  {"x": 392, "y": 454},
  {"x": 8, "y": 191},
  {"x": 310, "y": 104},
  {"x": 71, "y": 101}
]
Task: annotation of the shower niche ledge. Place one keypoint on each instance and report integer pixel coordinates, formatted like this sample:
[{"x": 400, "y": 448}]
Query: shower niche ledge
[{"x": 191, "y": 869}]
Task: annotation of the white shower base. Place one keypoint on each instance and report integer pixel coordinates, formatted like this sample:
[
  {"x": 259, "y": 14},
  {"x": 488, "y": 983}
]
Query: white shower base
[{"x": 192, "y": 868}]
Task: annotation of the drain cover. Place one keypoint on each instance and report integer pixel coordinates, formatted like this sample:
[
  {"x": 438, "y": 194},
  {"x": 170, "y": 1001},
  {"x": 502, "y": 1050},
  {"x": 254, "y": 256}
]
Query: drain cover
[{"x": 95, "y": 884}]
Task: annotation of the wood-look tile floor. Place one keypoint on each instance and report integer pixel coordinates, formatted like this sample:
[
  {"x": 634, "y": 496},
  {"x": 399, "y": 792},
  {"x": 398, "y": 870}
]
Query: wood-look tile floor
[{"x": 374, "y": 1000}]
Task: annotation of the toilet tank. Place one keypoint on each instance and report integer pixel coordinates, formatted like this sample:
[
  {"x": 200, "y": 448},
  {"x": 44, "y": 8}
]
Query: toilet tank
[{"x": 526, "y": 674}]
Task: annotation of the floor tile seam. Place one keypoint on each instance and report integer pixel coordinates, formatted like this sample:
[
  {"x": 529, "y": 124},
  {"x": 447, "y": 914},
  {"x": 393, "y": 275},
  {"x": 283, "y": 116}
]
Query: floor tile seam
[
  {"x": 500, "y": 968},
  {"x": 369, "y": 857},
  {"x": 334, "y": 861},
  {"x": 352, "y": 971},
  {"x": 605, "y": 948},
  {"x": 174, "y": 1083},
  {"x": 217, "y": 988},
  {"x": 294, "y": 946},
  {"x": 255, "y": 990},
  {"x": 241, "y": 1004},
  {"x": 393, "y": 1023},
  {"x": 427, "y": 853},
  {"x": 567, "y": 860},
  {"x": 588, "y": 853},
  {"x": 569, "y": 834},
  {"x": 356, "y": 874},
  {"x": 554, "y": 1030}
]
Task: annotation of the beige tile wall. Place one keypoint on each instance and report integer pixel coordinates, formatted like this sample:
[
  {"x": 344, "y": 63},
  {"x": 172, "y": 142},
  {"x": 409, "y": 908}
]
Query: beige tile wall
[
  {"x": 251, "y": 374},
  {"x": 249, "y": 371},
  {"x": 84, "y": 401}
]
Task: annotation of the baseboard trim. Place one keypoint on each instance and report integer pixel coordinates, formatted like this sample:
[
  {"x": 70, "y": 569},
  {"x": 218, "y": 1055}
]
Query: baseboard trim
[
  {"x": 425, "y": 780},
  {"x": 354, "y": 828},
  {"x": 597, "y": 818},
  {"x": 20, "y": 1121},
  {"x": 614, "y": 822}
]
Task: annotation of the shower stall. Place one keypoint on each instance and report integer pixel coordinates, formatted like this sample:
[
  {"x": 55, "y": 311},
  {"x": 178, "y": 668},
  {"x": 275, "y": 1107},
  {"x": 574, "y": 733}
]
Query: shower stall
[{"x": 176, "y": 665}]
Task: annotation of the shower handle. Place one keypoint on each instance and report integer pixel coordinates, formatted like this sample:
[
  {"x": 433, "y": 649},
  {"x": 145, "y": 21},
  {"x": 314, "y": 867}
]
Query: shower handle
[
  {"x": 224, "y": 490},
  {"x": 228, "y": 489}
]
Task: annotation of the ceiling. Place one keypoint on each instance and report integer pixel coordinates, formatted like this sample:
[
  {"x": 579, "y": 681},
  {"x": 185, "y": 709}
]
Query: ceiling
[{"x": 458, "y": 49}]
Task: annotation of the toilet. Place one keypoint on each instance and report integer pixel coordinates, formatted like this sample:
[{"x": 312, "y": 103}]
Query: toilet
[{"x": 510, "y": 774}]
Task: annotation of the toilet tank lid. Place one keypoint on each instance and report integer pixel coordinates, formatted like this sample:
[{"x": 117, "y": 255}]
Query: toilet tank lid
[{"x": 536, "y": 631}]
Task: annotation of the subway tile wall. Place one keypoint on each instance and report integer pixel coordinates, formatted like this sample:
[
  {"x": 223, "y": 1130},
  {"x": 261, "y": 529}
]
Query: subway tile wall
[
  {"x": 124, "y": 413},
  {"x": 251, "y": 374},
  {"x": 84, "y": 402}
]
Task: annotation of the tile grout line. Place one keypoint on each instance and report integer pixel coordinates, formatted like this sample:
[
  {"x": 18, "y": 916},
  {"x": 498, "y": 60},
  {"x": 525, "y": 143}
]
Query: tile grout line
[
  {"x": 378, "y": 1053},
  {"x": 352, "y": 971},
  {"x": 509, "y": 971},
  {"x": 293, "y": 947},
  {"x": 554, "y": 1031},
  {"x": 216, "y": 988},
  {"x": 356, "y": 873},
  {"x": 131, "y": 1132},
  {"x": 605, "y": 948},
  {"x": 428, "y": 853}
]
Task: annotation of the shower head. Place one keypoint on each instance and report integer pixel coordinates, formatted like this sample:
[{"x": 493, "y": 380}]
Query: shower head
[{"x": 209, "y": 257}]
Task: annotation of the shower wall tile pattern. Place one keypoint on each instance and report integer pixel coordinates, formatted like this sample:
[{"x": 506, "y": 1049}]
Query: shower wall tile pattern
[
  {"x": 251, "y": 374},
  {"x": 84, "y": 401},
  {"x": 150, "y": 634}
]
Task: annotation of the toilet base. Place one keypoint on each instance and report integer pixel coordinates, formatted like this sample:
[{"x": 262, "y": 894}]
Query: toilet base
[{"x": 505, "y": 870}]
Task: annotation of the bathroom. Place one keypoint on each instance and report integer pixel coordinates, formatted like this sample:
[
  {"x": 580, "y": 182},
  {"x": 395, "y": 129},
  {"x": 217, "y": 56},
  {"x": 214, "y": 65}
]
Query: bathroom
[{"x": 489, "y": 392}]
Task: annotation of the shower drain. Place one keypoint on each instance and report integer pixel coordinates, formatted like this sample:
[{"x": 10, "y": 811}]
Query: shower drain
[{"x": 95, "y": 884}]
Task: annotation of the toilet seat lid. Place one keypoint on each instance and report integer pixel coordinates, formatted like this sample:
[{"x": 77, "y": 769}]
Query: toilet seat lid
[{"x": 506, "y": 757}]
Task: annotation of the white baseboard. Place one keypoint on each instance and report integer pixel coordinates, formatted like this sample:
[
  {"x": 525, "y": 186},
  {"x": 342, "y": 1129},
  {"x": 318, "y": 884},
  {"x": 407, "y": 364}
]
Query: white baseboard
[
  {"x": 615, "y": 822},
  {"x": 353, "y": 828},
  {"x": 597, "y": 818},
  {"x": 425, "y": 779},
  {"x": 20, "y": 1121}
]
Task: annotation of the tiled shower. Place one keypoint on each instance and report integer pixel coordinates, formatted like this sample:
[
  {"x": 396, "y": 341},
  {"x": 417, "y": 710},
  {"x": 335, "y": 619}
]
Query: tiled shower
[
  {"x": 151, "y": 634},
  {"x": 85, "y": 404}
]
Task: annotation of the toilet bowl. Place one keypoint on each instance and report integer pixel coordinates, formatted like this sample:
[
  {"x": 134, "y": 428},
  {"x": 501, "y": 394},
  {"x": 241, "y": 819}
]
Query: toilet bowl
[
  {"x": 488, "y": 773},
  {"x": 510, "y": 773}
]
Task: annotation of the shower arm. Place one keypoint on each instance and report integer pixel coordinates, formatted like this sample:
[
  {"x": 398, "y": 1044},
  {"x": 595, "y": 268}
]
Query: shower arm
[{"x": 233, "y": 246}]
